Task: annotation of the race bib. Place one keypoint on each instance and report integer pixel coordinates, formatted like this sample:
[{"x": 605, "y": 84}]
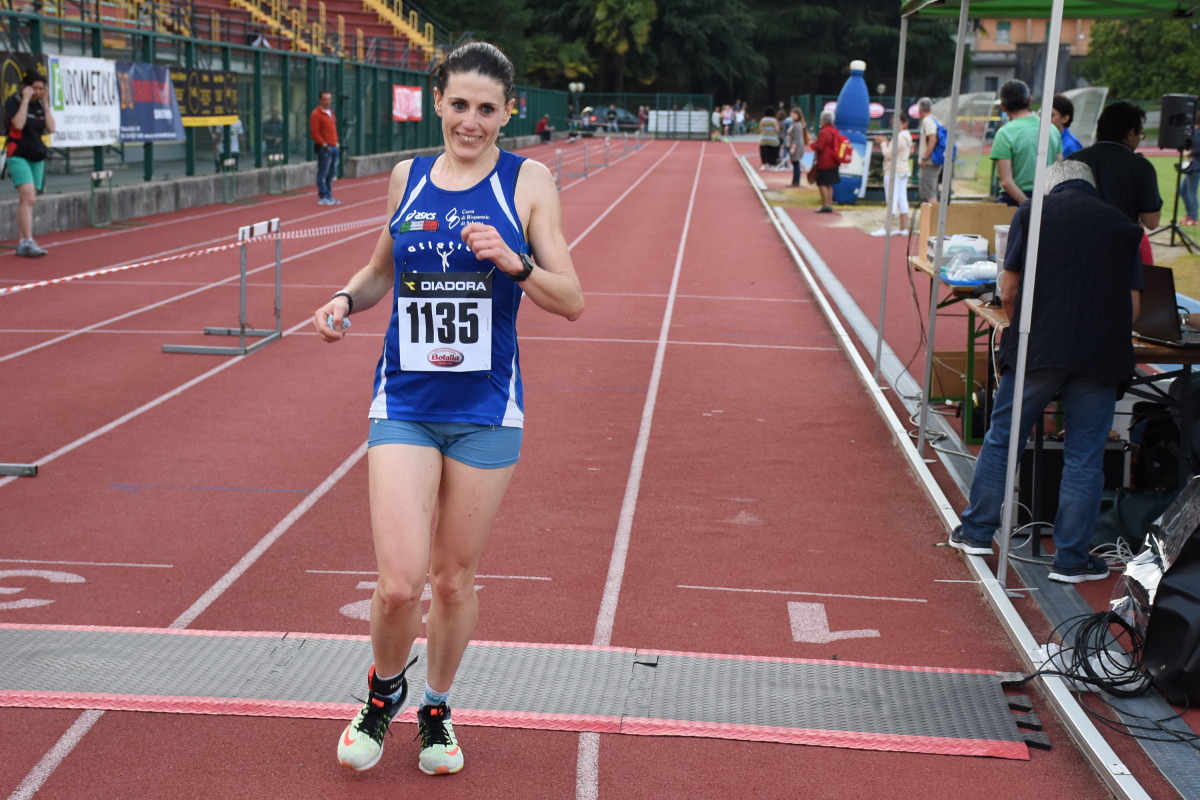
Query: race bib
[{"x": 445, "y": 321}]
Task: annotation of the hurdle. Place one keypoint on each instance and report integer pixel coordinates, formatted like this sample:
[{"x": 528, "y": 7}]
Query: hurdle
[
  {"x": 606, "y": 140},
  {"x": 246, "y": 233},
  {"x": 558, "y": 168},
  {"x": 19, "y": 470},
  {"x": 583, "y": 174}
]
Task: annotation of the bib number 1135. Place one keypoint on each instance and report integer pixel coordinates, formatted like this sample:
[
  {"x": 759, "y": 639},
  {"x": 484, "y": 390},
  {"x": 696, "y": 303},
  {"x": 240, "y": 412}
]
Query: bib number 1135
[{"x": 445, "y": 321}]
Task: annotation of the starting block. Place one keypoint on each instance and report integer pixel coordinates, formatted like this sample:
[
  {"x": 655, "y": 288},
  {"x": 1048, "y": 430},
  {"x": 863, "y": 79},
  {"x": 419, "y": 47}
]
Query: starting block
[{"x": 246, "y": 233}]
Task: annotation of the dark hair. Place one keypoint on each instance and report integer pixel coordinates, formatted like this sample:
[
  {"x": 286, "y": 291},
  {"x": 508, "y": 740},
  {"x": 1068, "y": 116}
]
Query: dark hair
[
  {"x": 768, "y": 111},
  {"x": 32, "y": 77},
  {"x": 1065, "y": 109},
  {"x": 481, "y": 57},
  {"x": 903, "y": 116},
  {"x": 1118, "y": 120},
  {"x": 1014, "y": 95}
]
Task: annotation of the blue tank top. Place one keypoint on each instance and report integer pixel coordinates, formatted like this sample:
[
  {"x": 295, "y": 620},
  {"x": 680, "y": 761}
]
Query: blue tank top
[{"x": 450, "y": 352}]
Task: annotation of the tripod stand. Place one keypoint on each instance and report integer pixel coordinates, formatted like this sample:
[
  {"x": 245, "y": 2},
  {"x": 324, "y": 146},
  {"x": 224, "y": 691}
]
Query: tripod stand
[{"x": 1174, "y": 228}]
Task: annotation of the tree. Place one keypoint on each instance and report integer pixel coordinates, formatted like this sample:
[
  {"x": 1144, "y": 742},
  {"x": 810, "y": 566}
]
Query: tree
[
  {"x": 550, "y": 61},
  {"x": 1145, "y": 59},
  {"x": 619, "y": 27},
  {"x": 707, "y": 47}
]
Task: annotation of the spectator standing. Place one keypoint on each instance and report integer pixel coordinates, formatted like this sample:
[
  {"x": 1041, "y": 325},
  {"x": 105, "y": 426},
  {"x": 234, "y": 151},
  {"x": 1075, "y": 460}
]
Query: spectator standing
[
  {"x": 1087, "y": 294},
  {"x": 726, "y": 121},
  {"x": 1016, "y": 144},
  {"x": 797, "y": 142},
  {"x": 29, "y": 119},
  {"x": 322, "y": 125},
  {"x": 1191, "y": 176},
  {"x": 544, "y": 129},
  {"x": 895, "y": 176},
  {"x": 1125, "y": 178},
  {"x": 273, "y": 133},
  {"x": 643, "y": 116},
  {"x": 927, "y": 137},
  {"x": 827, "y": 163},
  {"x": 1062, "y": 113},
  {"x": 739, "y": 117},
  {"x": 768, "y": 138}
]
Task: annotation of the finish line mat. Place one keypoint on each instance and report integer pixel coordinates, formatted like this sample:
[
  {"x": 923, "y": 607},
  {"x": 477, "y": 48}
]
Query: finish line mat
[{"x": 578, "y": 688}]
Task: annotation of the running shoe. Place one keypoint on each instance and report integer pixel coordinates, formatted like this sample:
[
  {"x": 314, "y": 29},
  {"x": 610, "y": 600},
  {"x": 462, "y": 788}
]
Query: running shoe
[
  {"x": 1094, "y": 569},
  {"x": 959, "y": 541},
  {"x": 361, "y": 745},
  {"x": 30, "y": 249},
  {"x": 880, "y": 232},
  {"x": 440, "y": 753}
]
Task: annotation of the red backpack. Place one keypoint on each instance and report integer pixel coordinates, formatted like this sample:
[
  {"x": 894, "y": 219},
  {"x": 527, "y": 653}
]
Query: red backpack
[{"x": 843, "y": 150}]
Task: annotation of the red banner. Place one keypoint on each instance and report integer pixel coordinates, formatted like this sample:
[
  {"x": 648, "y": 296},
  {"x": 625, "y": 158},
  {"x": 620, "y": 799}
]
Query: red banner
[{"x": 406, "y": 103}]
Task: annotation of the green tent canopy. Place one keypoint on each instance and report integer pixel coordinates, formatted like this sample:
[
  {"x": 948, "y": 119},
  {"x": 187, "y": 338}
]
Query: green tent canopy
[{"x": 1041, "y": 9}]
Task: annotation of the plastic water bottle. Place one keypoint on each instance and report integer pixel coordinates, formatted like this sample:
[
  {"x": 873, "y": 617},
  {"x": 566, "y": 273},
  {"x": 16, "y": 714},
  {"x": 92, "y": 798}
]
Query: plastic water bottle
[{"x": 851, "y": 118}]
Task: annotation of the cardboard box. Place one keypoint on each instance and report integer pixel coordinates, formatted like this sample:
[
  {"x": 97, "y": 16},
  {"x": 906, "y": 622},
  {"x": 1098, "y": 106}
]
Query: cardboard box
[
  {"x": 949, "y": 375},
  {"x": 980, "y": 219}
]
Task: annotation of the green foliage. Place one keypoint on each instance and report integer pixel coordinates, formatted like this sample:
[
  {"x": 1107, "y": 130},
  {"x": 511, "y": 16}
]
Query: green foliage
[
  {"x": 757, "y": 50},
  {"x": 1145, "y": 58}
]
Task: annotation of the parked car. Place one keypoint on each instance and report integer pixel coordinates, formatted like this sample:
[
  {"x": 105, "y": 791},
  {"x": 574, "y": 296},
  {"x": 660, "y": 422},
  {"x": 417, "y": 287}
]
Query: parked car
[{"x": 592, "y": 120}]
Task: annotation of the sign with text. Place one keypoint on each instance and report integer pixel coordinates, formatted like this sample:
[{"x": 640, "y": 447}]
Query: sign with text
[
  {"x": 406, "y": 103},
  {"x": 83, "y": 94},
  {"x": 205, "y": 97},
  {"x": 149, "y": 108}
]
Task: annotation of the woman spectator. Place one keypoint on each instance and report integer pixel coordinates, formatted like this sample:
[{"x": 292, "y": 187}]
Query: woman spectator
[
  {"x": 827, "y": 163},
  {"x": 895, "y": 177},
  {"x": 768, "y": 138},
  {"x": 797, "y": 142},
  {"x": 29, "y": 118}
]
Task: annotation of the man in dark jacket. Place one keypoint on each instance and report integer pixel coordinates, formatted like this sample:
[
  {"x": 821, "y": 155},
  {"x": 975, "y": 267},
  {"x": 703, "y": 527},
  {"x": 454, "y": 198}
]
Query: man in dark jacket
[{"x": 1086, "y": 297}]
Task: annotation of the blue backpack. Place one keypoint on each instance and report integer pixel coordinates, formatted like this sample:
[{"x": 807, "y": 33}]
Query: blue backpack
[{"x": 938, "y": 155}]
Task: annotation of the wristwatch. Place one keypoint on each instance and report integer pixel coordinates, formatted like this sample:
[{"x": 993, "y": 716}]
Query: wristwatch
[{"x": 525, "y": 273}]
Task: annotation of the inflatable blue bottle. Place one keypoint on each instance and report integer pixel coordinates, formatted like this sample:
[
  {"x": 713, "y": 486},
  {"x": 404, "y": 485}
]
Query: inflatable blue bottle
[{"x": 851, "y": 118}]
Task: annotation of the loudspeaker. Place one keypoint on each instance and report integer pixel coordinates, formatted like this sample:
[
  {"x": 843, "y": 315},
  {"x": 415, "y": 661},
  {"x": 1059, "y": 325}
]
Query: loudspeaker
[{"x": 1178, "y": 118}]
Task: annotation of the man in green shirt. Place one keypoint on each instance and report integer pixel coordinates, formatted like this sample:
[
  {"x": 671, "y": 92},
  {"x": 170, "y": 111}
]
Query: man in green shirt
[{"x": 1015, "y": 147}]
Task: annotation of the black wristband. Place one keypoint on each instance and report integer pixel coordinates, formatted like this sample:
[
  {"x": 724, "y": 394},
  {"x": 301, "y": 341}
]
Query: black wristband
[{"x": 349, "y": 300}]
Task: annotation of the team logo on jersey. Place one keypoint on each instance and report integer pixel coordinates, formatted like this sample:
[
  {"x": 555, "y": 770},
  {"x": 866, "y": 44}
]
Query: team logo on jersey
[
  {"x": 445, "y": 357},
  {"x": 419, "y": 221},
  {"x": 452, "y": 219}
]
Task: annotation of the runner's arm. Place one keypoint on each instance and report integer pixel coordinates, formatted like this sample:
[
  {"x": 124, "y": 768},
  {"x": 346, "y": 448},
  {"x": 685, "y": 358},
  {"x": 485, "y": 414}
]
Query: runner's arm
[{"x": 373, "y": 282}]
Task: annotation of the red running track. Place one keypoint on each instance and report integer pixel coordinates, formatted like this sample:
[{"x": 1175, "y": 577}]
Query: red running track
[{"x": 698, "y": 454}]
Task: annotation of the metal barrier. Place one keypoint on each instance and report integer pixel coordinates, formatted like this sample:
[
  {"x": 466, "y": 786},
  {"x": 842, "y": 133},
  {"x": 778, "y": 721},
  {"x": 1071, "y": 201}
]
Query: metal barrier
[
  {"x": 245, "y": 234},
  {"x": 19, "y": 470}
]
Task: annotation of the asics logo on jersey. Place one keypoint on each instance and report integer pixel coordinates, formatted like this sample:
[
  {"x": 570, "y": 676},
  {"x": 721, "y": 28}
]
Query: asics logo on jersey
[{"x": 419, "y": 215}]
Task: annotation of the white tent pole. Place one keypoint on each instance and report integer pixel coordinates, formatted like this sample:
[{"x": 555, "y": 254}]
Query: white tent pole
[
  {"x": 890, "y": 200},
  {"x": 1028, "y": 282},
  {"x": 947, "y": 178}
]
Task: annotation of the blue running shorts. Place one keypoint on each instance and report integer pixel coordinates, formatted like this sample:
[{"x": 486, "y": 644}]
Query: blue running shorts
[{"x": 480, "y": 446}]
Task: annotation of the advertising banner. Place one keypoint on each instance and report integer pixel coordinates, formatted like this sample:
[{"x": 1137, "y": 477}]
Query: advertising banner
[
  {"x": 149, "y": 108},
  {"x": 205, "y": 97},
  {"x": 406, "y": 103},
  {"x": 83, "y": 94},
  {"x": 12, "y": 70}
]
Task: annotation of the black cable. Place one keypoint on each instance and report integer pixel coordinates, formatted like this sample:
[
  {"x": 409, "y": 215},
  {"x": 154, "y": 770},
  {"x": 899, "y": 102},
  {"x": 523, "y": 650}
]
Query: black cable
[{"x": 1088, "y": 660}]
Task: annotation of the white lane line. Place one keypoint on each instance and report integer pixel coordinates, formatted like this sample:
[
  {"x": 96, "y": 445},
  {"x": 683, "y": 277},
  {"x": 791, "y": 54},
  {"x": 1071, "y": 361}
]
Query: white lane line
[
  {"x": 49, "y": 762},
  {"x": 587, "y": 768},
  {"x": 83, "y": 563},
  {"x": 804, "y": 594},
  {"x": 67, "y": 742}
]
